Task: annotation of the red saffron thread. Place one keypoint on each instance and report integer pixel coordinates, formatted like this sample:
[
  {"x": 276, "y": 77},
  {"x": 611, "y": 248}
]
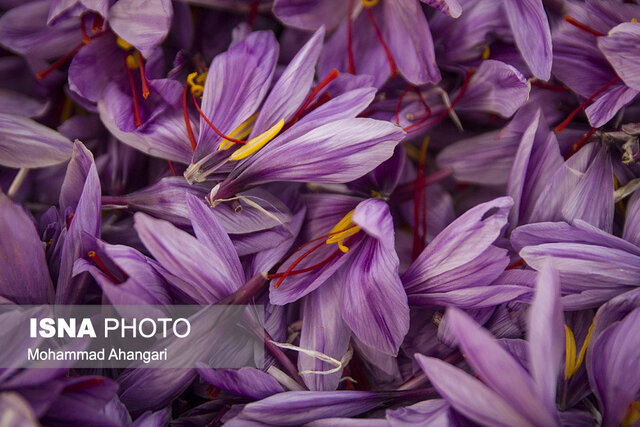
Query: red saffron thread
[
  {"x": 573, "y": 21},
  {"x": 392, "y": 63},
  {"x": 352, "y": 67},
  {"x": 187, "y": 122},
  {"x": 414, "y": 127},
  {"x": 136, "y": 106},
  {"x": 204, "y": 117},
  {"x": 103, "y": 268},
  {"x": 333, "y": 74},
  {"x": 570, "y": 117},
  {"x": 60, "y": 62}
]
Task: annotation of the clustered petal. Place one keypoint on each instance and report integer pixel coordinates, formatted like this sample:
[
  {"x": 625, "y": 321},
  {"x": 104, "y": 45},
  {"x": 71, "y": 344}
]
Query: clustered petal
[{"x": 434, "y": 205}]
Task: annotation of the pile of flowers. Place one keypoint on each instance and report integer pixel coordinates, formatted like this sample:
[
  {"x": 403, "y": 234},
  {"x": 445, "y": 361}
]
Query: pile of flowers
[{"x": 435, "y": 202}]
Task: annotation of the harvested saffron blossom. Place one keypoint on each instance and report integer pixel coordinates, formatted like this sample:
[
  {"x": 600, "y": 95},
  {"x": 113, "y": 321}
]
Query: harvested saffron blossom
[{"x": 427, "y": 211}]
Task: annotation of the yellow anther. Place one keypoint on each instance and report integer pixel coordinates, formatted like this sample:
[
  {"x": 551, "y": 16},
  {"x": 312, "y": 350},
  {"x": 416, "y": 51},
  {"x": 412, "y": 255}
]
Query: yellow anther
[
  {"x": 634, "y": 20},
  {"x": 344, "y": 229},
  {"x": 369, "y": 3},
  {"x": 241, "y": 132},
  {"x": 124, "y": 44},
  {"x": 632, "y": 415},
  {"x": 196, "y": 83},
  {"x": 572, "y": 364},
  {"x": 254, "y": 144},
  {"x": 132, "y": 62},
  {"x": 486, "y": 52}
]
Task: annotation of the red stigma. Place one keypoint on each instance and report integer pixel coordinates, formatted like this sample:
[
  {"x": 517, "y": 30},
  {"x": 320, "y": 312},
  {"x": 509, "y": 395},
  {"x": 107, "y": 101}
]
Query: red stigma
[
  {"x": 549, "y": 87},
  {"x": 291, "y": 269},
  {"x": 136, "y": 106},
  {"x": 86, "y": 38},
  {"x": 59, "y": 63},
  {"x": 573, "y": 21},
  {"x": 98, "y": 262},
  {"x": 83, "y": 384},
  {"x": 515, "y": 264},
  {"x": 352, "y": 67},
  {"x": 143, "y": 76},
  {"x": 171, "y": 168},
  {"x": 465, "y": 84},
  {"x": 215, "y": 129},
  {"x": 253, "y": 12},
  {"x": 333, "y": 74},
  {"x": 578, "y": 145},
  {"x": 69, "y": 218},
  {"x": 392, "y": 63},
  {"x": 570, "y": 117},
  {"x": 185, "y": 113}
]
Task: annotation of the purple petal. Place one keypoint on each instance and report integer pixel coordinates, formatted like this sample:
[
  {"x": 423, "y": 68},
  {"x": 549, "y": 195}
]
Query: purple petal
[
  {"x": 531, "y": 31},
  {"x": 407, "y": 33},
  {"x": 374, "y": 303},
  {"x": 24, "y": 30},
  {"x": 164, "y": 137},
  {"x": 338, "y": 152},
  {"x": 245, "y": 382},
  {"x": 94, "y": 65},
  {"x": 632, "y": 221},
  {"x": 86, "y": 219},
  {"x": 323, "y": 330},
  {"x": 208, "y": 231},
  {"x": 510, "y": 380},
  {"x": 496, "y": 88},
  {"x": 448, "y": 7},
  {"x": 192, "y": 267},
  {"x": 300, "y": 407},
  {"x": 142, "y": 23},
  {"x": 468, "y": 395},
  {"x": 25, "y": 143},
  {"x": 291, "y": 89},
  {"x": 592, "y": 199},
  {"x": 621, "y": 48},
  {"x": 25, "y": 278},
  {"x": 310, "y": 14},
  {"x": 613, "y": 359},
  {"x": 237, "y": 82},
  {"x": 546, "y": 334},
  {"x": 485, "y": 159},
  {"x": 464, "y": 240}
]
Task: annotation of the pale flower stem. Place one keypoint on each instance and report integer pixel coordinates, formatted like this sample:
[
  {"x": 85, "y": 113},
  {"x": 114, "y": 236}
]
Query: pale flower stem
[{"x": 17, "y": 182}]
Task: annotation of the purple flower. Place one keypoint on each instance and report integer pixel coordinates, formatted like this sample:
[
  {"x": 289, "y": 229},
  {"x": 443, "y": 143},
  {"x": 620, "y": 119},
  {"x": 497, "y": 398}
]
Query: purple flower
[{"x": 506, "y": 394}]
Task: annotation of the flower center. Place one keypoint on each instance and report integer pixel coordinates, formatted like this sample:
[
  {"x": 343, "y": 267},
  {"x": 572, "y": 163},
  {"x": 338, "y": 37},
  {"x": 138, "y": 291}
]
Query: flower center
[{"x": 342, "y": 233}]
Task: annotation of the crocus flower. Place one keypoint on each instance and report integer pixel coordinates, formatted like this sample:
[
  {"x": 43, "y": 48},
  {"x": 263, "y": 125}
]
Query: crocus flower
[
  {"x": 506, "y": 394},
  {"x": 589, "y": 61},
  {"x": 460, "y": 264},
  {"x": 594, "y": 265}
]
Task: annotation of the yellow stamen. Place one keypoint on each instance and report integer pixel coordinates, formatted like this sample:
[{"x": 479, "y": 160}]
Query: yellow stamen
[
  {"x": 570, "y": 352},
  {"x": 486, "y": 52},
  {"x": 241, "y": 132},
  {"x": 196, "y": 83},
  {"x": 123, "y": 44},
  {"x": 132, "y": 62},
  {"x": 254, "y": 144},
  {"x": 369, "y": 3},
  {"x": 571, "y": 363},
  {"x": 632, "y": 415},
  {"x": 634, "y": 20},
  {"x": 343, "y": 230}
]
